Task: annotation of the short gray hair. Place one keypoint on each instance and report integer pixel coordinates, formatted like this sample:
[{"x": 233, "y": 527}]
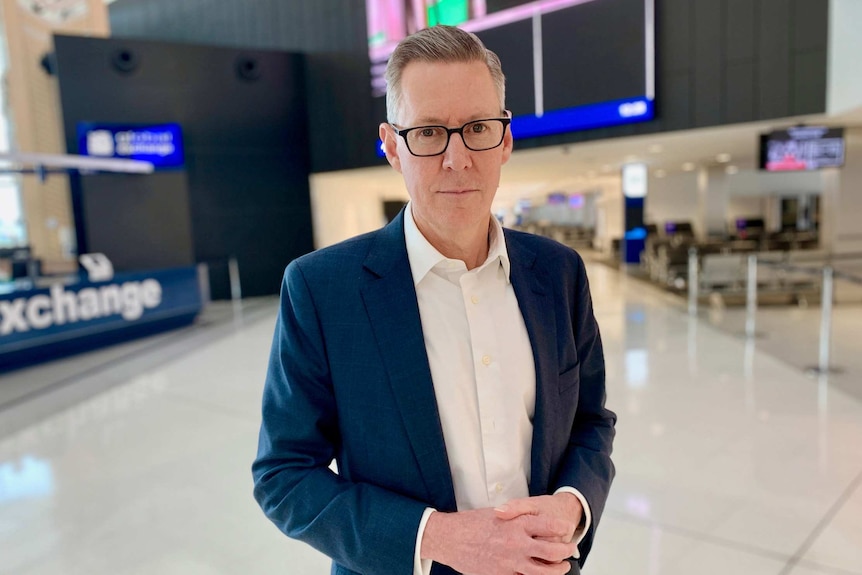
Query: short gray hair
[{"x": 439, "y": 44}]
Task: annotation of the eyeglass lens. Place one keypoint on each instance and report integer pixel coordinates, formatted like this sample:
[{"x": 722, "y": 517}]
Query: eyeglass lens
[{"x": 479, "y": 135}]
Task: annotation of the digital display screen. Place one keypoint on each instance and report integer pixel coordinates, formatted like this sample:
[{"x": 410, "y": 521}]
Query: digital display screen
[
  {"x": 802, "y": 148},
  {"x": 161, "y": 144},
  {"x": 569, "y": 64}
]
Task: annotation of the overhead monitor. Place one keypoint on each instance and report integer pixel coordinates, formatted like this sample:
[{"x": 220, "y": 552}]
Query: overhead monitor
[
  {"x": 802, "y": 148},
  {"x": 569, "y": 64}
]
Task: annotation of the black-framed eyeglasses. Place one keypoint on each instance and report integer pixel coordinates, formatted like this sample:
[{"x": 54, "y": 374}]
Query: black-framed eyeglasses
[{"x": 477, "y": 135}]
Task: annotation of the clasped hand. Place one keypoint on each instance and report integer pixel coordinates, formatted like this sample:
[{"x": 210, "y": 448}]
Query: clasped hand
[{"x": 530, "y": 536}]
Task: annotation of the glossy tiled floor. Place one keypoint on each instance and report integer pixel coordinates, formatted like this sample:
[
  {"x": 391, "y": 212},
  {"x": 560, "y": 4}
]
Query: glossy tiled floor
[{"x": 730, "y": 459}]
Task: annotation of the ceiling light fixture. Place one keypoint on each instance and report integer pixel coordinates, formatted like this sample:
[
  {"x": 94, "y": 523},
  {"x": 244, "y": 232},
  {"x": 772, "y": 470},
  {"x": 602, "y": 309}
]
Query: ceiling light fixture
[
  {"x": 655, "y": 149},
  {"x": 722, "y": 158},
  {"x": 688, "y": 166},
  {"x": 659, "y": 173}
]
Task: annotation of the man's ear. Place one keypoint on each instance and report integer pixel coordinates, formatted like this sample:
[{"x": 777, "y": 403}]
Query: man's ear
[
  {"x": 508, "y": 141},
  {"x": 390, "y": 145}
]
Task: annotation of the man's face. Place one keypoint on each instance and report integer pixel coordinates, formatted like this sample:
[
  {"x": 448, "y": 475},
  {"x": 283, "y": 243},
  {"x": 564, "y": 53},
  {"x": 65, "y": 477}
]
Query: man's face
[{"x": 454, "y": 190}]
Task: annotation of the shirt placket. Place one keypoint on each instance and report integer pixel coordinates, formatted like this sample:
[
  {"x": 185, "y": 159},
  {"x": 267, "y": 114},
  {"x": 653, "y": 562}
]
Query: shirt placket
[{"x": 478, "y": 289}]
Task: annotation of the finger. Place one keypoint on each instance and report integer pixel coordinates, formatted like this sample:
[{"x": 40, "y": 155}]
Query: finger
[
  {"x": 515, "y": 508},
  {"x": 554, "y": 539},
  {"x": 548, "y": 526},
  {"x": 536, "y": 567},
  {"x": 550, "y": 552}
]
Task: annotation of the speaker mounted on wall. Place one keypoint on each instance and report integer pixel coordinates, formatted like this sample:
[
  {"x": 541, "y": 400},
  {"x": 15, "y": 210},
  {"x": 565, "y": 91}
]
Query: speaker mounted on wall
[
  {"x": 48, "y": 62},
  {"x": 248, "y": 68},
  {"x": 124, "y": 61}
]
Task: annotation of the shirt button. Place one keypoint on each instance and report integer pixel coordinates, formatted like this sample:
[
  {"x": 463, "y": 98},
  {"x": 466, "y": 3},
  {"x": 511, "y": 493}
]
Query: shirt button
[
  {"x": 486, "y": 360},
  {"x": 474, "y": 299},
  {"x": 498, "y": 488}
]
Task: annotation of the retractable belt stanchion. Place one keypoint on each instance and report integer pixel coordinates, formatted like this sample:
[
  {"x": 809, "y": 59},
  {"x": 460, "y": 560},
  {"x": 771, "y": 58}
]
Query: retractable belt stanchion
[
  {"x": 235, "y": 286},
  {"x": 204, "y": 282},
  {"x": 692, "y": 281},
  {"x": 751, "y": 296},
  {"x": 826, "y": 320}
]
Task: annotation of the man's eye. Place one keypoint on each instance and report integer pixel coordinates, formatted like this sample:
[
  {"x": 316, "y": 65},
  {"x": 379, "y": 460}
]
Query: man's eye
[
  {"x": 427, "y": 132},
  {"x": 478, "y": 128}
]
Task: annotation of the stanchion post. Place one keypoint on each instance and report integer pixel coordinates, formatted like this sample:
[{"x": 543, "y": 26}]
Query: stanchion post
[
  {"x": 826, "y": 320},
  {"x": 204, "y": 282},
  {"x": 235, "y": 286},
  {"x": 693, "y": 282},
  {"x": 751, "y": 297}
]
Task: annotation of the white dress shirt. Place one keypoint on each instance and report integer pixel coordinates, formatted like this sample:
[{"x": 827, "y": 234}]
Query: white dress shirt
[{"x": 483, "y": 372}]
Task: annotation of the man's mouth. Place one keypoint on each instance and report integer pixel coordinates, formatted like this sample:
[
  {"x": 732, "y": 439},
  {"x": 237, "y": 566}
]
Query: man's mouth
[{"x": 458, "y": 191}]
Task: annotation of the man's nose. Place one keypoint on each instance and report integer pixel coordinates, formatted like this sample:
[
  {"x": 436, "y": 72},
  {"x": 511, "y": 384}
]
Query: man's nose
[{"x": 457, "y": 155}]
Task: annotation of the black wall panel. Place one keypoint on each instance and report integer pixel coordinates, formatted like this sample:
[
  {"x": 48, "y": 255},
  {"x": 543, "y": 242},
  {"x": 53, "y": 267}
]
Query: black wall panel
[
  {"x": 810, "y": 19},
  {"x": 808, "y": 83},
  {"x": 518, "y": 56},
  {"x": 810, "y": 55},
  {"x": 774, "y": 58},
  {"x": 718, "y": 61},
  {"x": 675, "y": 109},
  {"x": 676, "y": 40},
  {"x": 332, "y": 33},
  {"x": 246, "y": 147},
  {"x": 139, "y": 222},
  {"x": 740, "y": 20},
  {"x": 739, "y": 94},
  {"x": 709, "y": 73},
  {"x": 739, "y": 90}
]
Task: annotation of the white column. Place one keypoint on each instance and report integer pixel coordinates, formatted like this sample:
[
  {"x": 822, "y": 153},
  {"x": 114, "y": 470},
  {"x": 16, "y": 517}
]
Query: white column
[
  {"x": 713, "y": 193},
  {"x": 841, "y": 208}
]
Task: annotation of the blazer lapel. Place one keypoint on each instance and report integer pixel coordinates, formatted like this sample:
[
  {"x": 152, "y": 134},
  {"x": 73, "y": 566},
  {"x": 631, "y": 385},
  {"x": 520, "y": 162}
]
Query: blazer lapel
[
  {"x": 390, "y": 301},
  {"x": 530, "y": 282}
]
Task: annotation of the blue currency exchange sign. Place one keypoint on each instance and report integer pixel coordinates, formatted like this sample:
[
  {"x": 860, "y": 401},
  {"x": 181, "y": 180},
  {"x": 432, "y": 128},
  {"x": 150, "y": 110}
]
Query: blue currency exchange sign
[{"x": 160, "y": 144}]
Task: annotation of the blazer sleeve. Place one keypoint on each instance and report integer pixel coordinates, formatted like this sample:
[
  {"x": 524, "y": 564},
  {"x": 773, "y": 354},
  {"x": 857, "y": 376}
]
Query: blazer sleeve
[
  {"x": 586, "y": 464},
  {"x": 363, "y": 527}
]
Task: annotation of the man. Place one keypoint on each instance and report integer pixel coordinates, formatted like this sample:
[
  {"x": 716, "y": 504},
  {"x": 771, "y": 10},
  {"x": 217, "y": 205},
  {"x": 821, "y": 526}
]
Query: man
[{"x": 452, "y": 370}]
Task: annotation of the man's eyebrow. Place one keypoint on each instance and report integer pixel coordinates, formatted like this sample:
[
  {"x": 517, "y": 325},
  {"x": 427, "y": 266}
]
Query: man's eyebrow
[
  {"x": 427, "y": 120},
  {"x": 431, "y": 121}
]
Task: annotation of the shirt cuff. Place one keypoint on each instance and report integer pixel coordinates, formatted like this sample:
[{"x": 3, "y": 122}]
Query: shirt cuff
[
  {"x": 422, "y": 566},
  {"x": 586, "y": 521}
]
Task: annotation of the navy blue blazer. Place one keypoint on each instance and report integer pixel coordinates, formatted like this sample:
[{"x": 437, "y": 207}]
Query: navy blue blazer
[{"x": 349, "y": 380}]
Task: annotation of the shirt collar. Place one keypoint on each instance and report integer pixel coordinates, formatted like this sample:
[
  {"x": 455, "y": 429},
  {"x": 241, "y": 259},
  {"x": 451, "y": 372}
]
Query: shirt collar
[{"x": 423, "y": 256}]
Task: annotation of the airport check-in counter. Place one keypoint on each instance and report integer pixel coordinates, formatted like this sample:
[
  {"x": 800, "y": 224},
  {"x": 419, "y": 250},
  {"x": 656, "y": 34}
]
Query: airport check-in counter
[
  {"x": 722, "y": 262},
  {"x": 48, "y": 318}
]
